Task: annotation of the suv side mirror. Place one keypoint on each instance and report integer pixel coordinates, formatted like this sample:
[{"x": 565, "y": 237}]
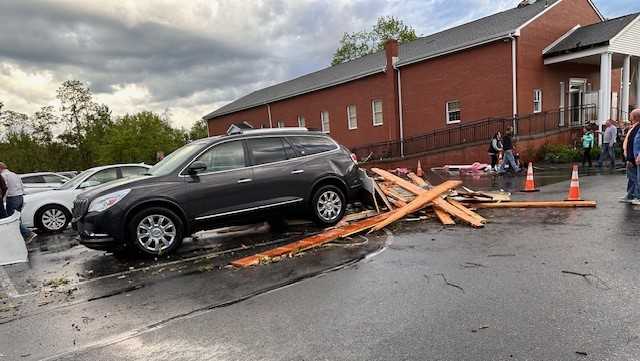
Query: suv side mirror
[
  {"x": 88, "y": 184},
  {"x": 196, "y": 167}
]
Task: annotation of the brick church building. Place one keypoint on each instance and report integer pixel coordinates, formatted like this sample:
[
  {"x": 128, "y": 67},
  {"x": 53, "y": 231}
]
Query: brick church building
[{"x": 560, "y": 58}]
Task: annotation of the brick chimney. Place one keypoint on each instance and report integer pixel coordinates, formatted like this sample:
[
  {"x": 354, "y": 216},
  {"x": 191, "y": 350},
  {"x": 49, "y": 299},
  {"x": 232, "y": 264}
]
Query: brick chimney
[{"x": 391, "y": 51}]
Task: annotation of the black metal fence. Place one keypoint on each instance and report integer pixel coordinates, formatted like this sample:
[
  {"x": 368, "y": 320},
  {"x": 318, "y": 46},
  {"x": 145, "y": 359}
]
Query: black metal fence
[{"x": 477, "y": 132}]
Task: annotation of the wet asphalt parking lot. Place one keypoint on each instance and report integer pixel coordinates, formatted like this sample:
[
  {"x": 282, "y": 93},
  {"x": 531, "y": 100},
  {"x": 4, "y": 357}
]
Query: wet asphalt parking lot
[{"x": 417, "y": 291}]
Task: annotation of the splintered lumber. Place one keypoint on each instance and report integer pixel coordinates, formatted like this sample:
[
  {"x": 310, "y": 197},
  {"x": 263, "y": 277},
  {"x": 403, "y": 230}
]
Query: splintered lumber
[
  {"x": 418, "y": 181},
  {"x": 360, "y": 215},
  {"x": 538, "y": 204},
  {"x": 393, "y": 194},
  {"x": 312, "y": 241},
  {"x": 382, "y": 195},
  {"x": 439, "y": 202},
  {"x": 444, "y": 217},
  {"x": 397, "y": 203},
  {"x": 466, "y": 210},
  {"x": 419, "y": 202}
]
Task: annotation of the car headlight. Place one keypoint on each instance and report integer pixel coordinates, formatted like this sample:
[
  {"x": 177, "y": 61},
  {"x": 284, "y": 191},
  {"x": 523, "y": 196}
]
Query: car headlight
[{"x": 107, "y": 201}]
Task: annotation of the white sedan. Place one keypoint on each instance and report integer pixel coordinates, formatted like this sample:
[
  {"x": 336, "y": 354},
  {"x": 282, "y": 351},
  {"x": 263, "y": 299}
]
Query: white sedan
[
  {"x": 50, "y": 211},
  {"x": 43, "y": 181}
]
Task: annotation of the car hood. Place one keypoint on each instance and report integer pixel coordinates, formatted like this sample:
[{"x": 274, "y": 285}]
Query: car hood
[
  {"x": 127, "y": 183},
  {"x": 47, "y": 194}
]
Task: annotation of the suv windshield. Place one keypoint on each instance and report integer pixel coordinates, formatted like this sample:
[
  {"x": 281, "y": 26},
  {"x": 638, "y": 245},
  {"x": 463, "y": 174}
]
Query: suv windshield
[{"x": 175, "y": 159}]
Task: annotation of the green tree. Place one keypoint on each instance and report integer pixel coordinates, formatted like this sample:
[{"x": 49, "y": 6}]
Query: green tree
[
  {"x": 199, "y": 130},
  {"x": 139, "y": 138},
  {"x": 357, "y": 44}
]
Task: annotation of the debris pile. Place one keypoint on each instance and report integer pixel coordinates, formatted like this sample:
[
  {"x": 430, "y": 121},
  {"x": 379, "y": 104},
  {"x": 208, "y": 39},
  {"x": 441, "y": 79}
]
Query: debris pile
[{"x": 407, "y": 195}]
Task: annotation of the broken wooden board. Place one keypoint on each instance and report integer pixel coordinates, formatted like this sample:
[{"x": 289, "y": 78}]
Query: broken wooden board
[
  {"x": 424, "y": 198},
  {"x": 466, "y": 210},
  {"x": 359, "y": 216},
  {"x": 312, "y": 241},
  {"x": 538, "y": 204},
  {"x": 439, "y": 202},
  {"x": 382, "y": 195},
  {"x": 443, "y": 216},
  {"x": 419, "y": 181},
  {"x": 394, "y": 194}
]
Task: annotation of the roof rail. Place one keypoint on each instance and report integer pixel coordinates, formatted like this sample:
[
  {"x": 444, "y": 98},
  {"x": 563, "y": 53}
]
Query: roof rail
[{"x": 267, "y": 130}]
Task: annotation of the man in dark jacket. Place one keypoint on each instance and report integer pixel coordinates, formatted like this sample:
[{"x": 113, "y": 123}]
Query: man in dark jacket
[
  {"x": 508, "y": 157},
  {"x": 3, "y": 193}
]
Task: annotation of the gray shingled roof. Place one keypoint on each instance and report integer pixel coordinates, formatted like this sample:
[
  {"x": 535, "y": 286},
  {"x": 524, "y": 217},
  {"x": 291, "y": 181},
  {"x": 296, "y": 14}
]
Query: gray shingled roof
[
  {"x": 479, "y": 31},
  {"x": 592, "y": 35}
]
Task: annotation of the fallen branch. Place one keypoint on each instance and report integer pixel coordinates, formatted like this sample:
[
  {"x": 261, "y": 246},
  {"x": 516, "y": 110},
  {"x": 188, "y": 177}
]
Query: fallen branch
[{"x": 449, "y": 283}]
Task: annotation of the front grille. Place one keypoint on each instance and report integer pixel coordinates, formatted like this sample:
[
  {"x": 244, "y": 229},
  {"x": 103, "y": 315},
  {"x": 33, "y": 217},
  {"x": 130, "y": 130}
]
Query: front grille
[{"x": 80, "y": 207}]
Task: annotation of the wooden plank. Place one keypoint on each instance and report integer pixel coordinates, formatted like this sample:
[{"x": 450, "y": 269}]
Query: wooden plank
[
  {"x": 312, "y": 241},
  {"x": 393, "y": 194},
  {"x": 444, "y": 217},
  {"x": 420, "y": 202},
  {"x": 382, "y": 195},
  {"x": 397, "y": 203},
  {"x": 359, "y": 216},
  {"x": 538, "y": 204},
  {"x": 458, "y": 213},
  {"x": 466, "y": 210},
  {"x": 399, "y": 181},
  {"x": 418, "y": 181}
]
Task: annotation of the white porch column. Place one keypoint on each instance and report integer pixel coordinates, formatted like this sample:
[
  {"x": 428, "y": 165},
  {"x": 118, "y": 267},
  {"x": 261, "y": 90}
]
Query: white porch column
[
  {"x": 605, "y": 89},
  {"x": 626, "y": 88}
]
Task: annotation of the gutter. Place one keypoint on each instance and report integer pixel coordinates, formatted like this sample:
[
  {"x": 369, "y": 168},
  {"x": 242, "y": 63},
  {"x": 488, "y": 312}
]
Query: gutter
[{"x": 514, "y": 75}]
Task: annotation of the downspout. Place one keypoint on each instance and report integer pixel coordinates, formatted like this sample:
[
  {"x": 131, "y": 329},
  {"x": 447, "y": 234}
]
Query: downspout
[
  {"x": 514, "y": 79},
  {"x": 400, "y": 115},
  {"x": 269, "y": 111}
]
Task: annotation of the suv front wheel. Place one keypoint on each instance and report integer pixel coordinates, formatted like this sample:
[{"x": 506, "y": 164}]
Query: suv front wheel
[
  {"x": 328, "y": 205},
  {"x": 156, "y": 231}
]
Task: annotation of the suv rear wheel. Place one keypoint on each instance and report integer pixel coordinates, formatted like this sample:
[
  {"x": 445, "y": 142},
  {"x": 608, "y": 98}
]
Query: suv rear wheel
[
  {"x": 328, "y": 205},
  {"x": 156, "y": 231}
]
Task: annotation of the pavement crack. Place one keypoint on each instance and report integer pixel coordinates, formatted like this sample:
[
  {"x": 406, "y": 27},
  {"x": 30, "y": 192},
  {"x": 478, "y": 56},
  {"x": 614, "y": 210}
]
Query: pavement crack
[{"x": 446, "y": 282}]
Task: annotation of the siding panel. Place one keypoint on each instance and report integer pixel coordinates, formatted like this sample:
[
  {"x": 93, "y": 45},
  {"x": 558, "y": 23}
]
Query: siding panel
[{"x": 628, "y": 42}]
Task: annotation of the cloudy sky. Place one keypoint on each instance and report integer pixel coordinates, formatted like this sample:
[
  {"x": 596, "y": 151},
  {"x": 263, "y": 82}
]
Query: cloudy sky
[{"x": 192, "y": 56}]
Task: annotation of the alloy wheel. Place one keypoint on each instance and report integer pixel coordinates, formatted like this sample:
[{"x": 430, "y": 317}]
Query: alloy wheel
[
  {"x": 53, "y": 219},
  {"x": 329, "y": 205},
  {"x": 156, "y": 232}
]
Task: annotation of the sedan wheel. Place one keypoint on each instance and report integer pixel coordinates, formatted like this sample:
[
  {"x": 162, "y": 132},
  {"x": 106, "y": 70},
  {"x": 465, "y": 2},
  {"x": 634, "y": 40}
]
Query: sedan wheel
[
  {"x": 53, "y": 219},
  {"x": 156, "y": 233}
]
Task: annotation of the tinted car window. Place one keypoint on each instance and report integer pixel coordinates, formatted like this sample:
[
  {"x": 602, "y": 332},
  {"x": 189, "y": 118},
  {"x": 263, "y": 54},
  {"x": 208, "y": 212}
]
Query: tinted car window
[
  {"x": 267, "y": 150},
  {"x": 312, "y": 145},
  {"x": 225, "y": 156},
  {"x": 133, "y": 171},
  {"x": 103, "y": 176},
  {"x": 33, "y": 179},
  {"x": 52, "y": 178}
]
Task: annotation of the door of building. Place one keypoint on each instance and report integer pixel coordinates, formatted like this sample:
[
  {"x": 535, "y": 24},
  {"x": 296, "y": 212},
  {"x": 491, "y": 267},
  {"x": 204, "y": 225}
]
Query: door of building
[{"x": 577, "y": 89}]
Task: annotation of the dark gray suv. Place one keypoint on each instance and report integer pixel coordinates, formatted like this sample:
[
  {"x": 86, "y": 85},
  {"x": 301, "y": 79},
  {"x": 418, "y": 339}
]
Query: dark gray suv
[{"x": 254, "y": 175}]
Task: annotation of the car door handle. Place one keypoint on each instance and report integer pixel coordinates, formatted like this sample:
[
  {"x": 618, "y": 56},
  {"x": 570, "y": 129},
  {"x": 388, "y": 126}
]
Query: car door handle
[
  {"x": 298, "y": 171},
  {"x": 245, "y": 180}
]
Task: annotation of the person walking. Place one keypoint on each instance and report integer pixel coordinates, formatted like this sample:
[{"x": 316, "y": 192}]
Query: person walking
[
  {"x": 587, "y": 145},
  {"x": 609, "y": 145},
  {"x": 507, "y": 157},
  {"x": 495, "y": 147},
  {"x": 630, "y": 154},
  {"x": 15, "y": 198},
  {"x": 3, "y": 193}
]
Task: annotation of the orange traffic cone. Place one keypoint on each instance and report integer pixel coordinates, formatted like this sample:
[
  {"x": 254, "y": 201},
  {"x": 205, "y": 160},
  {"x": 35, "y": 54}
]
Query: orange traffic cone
[
  {"x": 574, "y": 189},
  {"x": 529, "y": 184},
  {"x": 419, "y": 171}
]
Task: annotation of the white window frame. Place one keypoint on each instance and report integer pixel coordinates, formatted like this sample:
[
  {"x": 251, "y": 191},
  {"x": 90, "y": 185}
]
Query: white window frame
[
  {"x": 374, "y": 112},
  {"x": 352, "y": 116},
  {"x": 302, "y": 123},
  {"x": 280, "y": 124},
  {"x": 537, "y": 100},
  {"x": 449, "y": 111},
  {"x": 326, "y": 128}
]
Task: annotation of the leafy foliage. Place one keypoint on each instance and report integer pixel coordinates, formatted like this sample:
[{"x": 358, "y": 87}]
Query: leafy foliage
[
  {"x": 355, "y": 45},
  {"x": 83, "y": 134}
]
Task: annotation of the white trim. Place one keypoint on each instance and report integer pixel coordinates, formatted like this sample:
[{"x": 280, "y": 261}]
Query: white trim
[
  {"x": 400, "y": 118},
  {"x": 373, "y": 112},
  {"x": 578, "y": 55},
  {"x": 602, "y": 18},
  {"x": 269, "y": 111},
  {"x": 447, "y": 112},
  {"x": 355, "y": 116},
  {"x": 566, "y": 35},
  {"x": 514, "y": 75},
  {"x": 537, "y": 99},
  {"x": 632, "y": 23},
  {"x": 626, "y": 88},
  {"x": 562, "y": 102},
  {"x": 517, "y": 32},
  {"x": 249, "y": 209},
  {"x": 322, "y": 127},
  {"x": 302, "y": 124}
]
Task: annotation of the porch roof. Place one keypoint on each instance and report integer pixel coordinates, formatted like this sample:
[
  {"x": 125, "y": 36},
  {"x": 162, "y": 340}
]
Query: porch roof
[{"x": 590, "y": 36}]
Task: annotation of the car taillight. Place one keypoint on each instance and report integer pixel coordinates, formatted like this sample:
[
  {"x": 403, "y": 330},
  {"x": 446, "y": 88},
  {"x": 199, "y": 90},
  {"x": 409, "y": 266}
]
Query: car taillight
[{"x": 354, "y": 158}]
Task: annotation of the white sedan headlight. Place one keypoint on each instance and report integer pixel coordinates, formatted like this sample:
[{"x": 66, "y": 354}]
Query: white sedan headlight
[{"x": 106, "y": 201}]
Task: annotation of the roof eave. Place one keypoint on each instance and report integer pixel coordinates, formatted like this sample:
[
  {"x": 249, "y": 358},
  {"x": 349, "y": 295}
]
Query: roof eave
[
  {"x": 214, "y": 115},
  {"x": 576, "y": 49},
  {"x": 462, "y": 47}
]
